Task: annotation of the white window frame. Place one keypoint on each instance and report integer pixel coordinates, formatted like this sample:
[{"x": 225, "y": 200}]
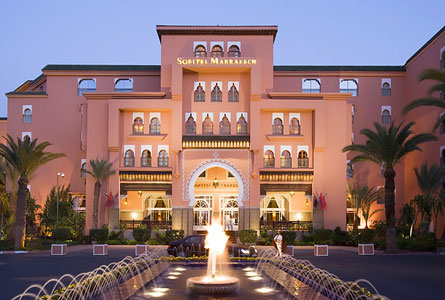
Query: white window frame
[
  {"x": 116, "y": 80},
  {"x": 26, "y": 133},
  {"x": 244, "y": 114},
  {"x": 80, "y": 91},
  {"x": 310, "y": 80}
]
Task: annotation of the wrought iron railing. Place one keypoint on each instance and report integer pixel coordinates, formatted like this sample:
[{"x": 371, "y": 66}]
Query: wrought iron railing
[
  {"x": 286, "y": 225},
  {"x": 130, "y": 224}
]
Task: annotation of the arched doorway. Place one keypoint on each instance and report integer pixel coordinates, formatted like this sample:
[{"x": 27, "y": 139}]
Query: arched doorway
[{"x": 216, "y": 189}]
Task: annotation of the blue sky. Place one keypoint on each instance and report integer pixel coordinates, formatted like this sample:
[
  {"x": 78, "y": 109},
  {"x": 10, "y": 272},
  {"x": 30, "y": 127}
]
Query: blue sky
[{"x": 36, "y": 33}]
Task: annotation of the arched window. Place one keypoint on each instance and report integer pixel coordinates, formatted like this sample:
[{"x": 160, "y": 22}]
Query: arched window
[
  {"x": 224, "y": 126},
  {"x": 277, "y": 127},
  {"x": 207, "y": 125},
  {"x": 158, "y": 208},
  {"x": 123, "y": 85},
  {"x": 129, "y": 158},
  {"x": 234, "y": 51},
  {"x": 83, "y": 169},
  {"x": 386, "y": 89},
  {"x": 199, "y": 94},
  {"x": 190, "y": 125},
  {"x": 349, "y": 170},
  {"x": 286, "y": 159},
  {"x": 294, "y": 126},
  {"x": 138, "y": 126},
  {"x": 233, "y": 94},
  {"x": 269, "y": 159},
  {"x": 217, "y": 51},
  {"x": 303, "y": 160},
  {"x": 27, "y": 116},
  {"x": 86, "y": 86},
  {"x": 386, "y": 117},
  {"x": 241, "y": 125},
  {"x": 311, "y": 86},
  {"x": 163, "y": 158},
  {"x": 146, "y": 158},
  {"x": 349, "y": 86},
  {"x": 155, "y": 126},
  {"x": 200, "y": 51},
  {"x": 216, "y": 94}
]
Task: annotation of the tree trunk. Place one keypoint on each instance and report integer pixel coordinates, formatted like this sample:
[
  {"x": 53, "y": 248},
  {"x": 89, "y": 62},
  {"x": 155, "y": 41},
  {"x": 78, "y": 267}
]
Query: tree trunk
[
  {"x": 20, "y": 213},
  {"x": 96, "y": 203},
  {"x": 390, "y": 211}
]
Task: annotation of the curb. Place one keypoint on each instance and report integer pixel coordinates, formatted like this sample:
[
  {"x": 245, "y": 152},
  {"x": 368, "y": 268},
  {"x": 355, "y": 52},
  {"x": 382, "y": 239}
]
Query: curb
[{"x": 14, "y": 252}]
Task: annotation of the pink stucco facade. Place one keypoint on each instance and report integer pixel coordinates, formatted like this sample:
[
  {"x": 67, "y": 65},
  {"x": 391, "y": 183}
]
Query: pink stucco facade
[{"x": 193, "y": 171}]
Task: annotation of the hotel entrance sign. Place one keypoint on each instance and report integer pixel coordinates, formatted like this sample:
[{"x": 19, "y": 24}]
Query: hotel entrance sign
[{"x": 215, "y": 61}]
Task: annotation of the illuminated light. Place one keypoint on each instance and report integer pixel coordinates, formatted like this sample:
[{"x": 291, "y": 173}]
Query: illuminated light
[
  {"x": 126, "y": 201},
  {"x": 248, "y": 269},
  {"x": 180, "y": 269},
  {"x": 292, "y": 193},
  {"x": 154, "y": 294},
  {"x": 256, "y": 278},
  {"x": 134, "y": 215},
  {"x": 174, "y": 273},
  {"x": 299, "y": 216},
  {"x": 307, "y": 202},
  {"x": 215, "y": 183},
  {"x": 264, "y": 290},
  {"x": 250, "y": 274},
  {"x": 172, "y": 277},
  {"x": 160, "y": 290}
]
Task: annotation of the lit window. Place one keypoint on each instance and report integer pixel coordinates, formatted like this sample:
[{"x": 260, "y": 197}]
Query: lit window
[
  {"x": 163, "y": 158},
  {"x": 129, "y": 158},
  {"x": 217, "y": 51},
  {"x": 155, "y": 126},
  {"x": 311, "y": 86},
  {"x": 207, "y": 125},
  {"x": 138, "y": 126},
  {"x": 349, "y": 170},
  {"x": 386, "y": 89},
  {"x": 199, "y": 94},
  {"x": 349, "y": 86},
  {"x": 190, "y": 125},
  {"x": 277, "y": 126},
  {"x": 27, "y": 116},
  {"x": 303, "y": 160},
  {"x": 216, "y": 94},
  {"x": 224, "y": 126},
  {"x": 234, "y": 51},
  {"x": 286, "y": 159},
  {"x": 233, "y": 94},
  {"x": 83, "y": 169},
  {"x": 146, "y": 158},
  {"x": 86, "y": 86},
  {"x": 123, "y": 85},
  {"x": 386, "y": 117},
  {"x": 241, "y": 125},
  {"x": 294, "y": 126},
  {"x": 269, "y": 159},
  {"x": 200, "y": 51}
]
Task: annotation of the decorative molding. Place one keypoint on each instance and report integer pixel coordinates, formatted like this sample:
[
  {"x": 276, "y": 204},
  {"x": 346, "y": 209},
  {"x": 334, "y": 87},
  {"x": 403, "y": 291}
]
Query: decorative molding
[
  {"x": 255, "y": 97},
  {"x": 177, "y": 97},
  {"x": 319, "y": 149},
  {"x": 113, "y": 149}
]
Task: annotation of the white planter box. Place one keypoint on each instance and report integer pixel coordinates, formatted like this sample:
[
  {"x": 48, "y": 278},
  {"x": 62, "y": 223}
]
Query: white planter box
[
  {"x": 141, "y": 250},
  {"x": 321, "y": 250},
  {"x": 366, "y": 249},
  {"x": 289, "y": 250},
  {"x": 100, "y": 249},
  {"x": 58, "y": 249}
]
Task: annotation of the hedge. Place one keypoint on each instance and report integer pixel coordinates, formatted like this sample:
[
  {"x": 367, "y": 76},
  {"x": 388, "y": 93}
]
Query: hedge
[
  {"x": 248, "y": 236},
  {"x": 141, "y": 234},
  {"x": 99, "y": 235},
  {"x": 60, "y": 233}
]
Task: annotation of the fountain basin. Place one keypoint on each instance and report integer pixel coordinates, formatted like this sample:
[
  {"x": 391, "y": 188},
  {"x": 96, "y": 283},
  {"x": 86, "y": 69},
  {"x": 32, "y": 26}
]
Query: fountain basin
[{"x": 205, "y": 285}]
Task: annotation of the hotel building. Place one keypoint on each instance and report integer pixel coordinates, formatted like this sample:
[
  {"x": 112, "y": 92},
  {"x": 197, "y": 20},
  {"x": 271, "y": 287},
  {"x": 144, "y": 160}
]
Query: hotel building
[{"x": 217, "y": 127}]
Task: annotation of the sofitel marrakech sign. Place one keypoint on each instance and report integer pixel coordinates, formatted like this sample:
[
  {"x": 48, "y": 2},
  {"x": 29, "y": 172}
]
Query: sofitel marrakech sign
[
  {"x": 215, "y": 61},
  {"x": 222, "y": 185}
]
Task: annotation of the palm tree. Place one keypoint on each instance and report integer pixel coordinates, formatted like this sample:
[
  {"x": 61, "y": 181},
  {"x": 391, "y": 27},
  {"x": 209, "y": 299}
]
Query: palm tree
[
  {"x": 431, "y": 74},
  {"x": 429, "y": 180},
  {"x": 101, "y": 169},
  {"x": 4, "y": 209},
  {"x": 386, "y": 147},
  {"x": 361, "y": 198},
  {"x": 26, "y": 157}
]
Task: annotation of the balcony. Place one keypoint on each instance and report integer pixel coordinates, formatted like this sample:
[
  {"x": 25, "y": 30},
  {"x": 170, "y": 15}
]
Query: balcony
[{"x": 216, "y": 142}]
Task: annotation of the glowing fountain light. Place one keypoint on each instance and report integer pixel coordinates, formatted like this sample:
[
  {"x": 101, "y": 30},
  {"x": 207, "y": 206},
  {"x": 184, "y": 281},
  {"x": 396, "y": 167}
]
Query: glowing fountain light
[
  {"x": 214, "y": 283},
  {"x": 264, "y": 290},
  {"x": 180, "y": 269}
]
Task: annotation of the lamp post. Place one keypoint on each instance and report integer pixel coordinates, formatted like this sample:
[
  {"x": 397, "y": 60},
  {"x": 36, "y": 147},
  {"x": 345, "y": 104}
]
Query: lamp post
[
  {"x": 57, "y": 197},
  {"x": 134, "y": 216}
]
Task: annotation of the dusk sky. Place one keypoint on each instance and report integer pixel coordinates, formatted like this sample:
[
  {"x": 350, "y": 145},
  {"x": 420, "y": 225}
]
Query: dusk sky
[{"x": 37, "y": 33}]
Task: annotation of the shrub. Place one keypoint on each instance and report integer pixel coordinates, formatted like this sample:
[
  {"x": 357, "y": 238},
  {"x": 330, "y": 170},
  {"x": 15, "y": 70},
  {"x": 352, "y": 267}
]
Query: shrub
[
  {"x": 115, "y": 235},
  {"x": 141, "y": 234},
  {"x": 320, "y": 235},
  {"x": 340, "y": 237},
  {"x": 289, "y": 237},
  {"x": 248, "y": 236},
  {"x": 423, "y": 242},
  {"x": 169, "y": 236},
  {"x": 60, "y": 233},
  {"x": 99, "y": 235},
  {"x": 265, "y": 238},
  {"x": 365, "y": 236}
]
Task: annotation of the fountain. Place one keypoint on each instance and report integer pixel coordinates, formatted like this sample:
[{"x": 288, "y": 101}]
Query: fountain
[{"x": 214, "y": 282}]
